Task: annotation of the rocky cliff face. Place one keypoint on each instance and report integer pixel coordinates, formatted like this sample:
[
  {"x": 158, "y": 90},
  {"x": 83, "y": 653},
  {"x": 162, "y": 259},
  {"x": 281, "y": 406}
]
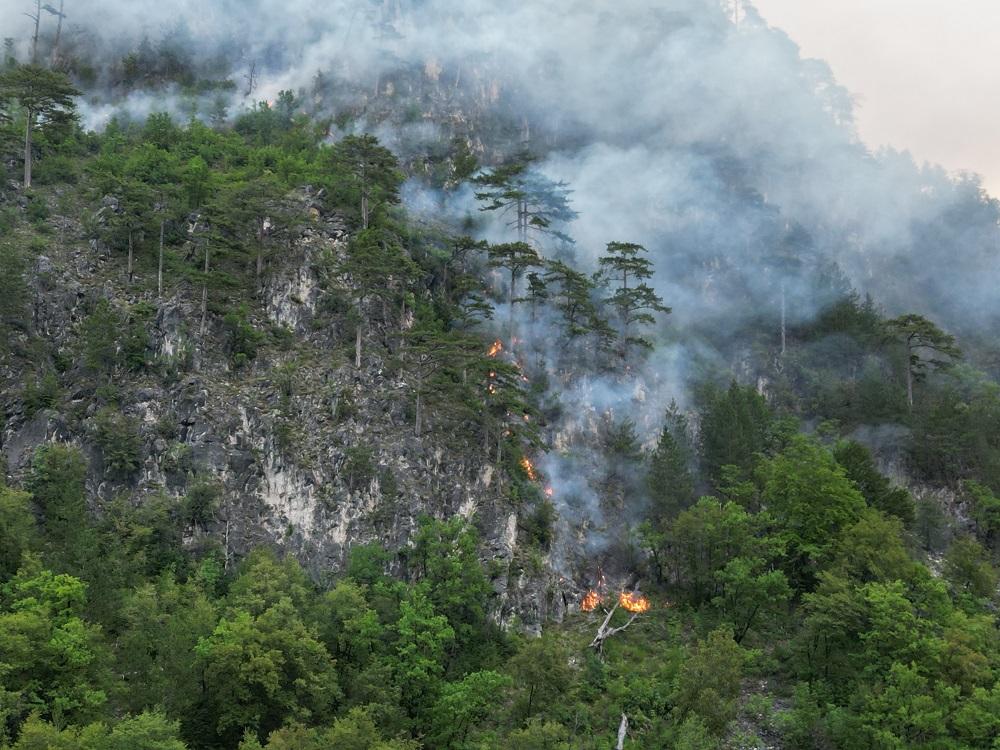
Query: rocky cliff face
[{"x": 298, "y": 449}]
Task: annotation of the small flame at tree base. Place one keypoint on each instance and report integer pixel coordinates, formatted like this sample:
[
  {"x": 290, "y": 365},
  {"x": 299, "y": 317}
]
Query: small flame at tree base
[
  {"x": 495, "y": 348},
  {"x": 529, "y": 469},
  {"x": 633, "y": 602},
  {"x": 591, "y": 601}
]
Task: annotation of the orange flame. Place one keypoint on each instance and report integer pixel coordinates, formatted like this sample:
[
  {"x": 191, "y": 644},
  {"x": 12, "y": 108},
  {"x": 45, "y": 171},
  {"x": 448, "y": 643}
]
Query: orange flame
[
  {"x": 634, "y": 602},
  {"x": 591, "y": 601},
  {"x": 529, "y": 469},
  {"x": 495, "y": 349}
]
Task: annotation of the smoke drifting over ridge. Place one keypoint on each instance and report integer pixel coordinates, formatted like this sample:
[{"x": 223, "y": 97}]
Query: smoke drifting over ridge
[
  {"x": 711, "y": 143},
  {"x": 674, "y": 127}
]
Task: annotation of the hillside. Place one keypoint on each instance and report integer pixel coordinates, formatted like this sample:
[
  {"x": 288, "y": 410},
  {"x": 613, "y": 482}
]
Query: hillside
[{"x": 390, "y": 385}]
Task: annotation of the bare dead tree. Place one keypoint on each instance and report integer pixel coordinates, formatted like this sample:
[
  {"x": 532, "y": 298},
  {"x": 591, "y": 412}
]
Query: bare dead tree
[
  {"x": 251, "y": 78},
  {"x": 622, "y": 733},
  {"x": 605, "y": 631},
  {"x": 37, "y": 18},
  {"x": 54, "y": 60}
]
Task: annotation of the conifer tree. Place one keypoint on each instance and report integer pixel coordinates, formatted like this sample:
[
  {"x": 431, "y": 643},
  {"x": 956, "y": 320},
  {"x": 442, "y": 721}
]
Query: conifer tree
[
  {"x": 573, "y": 297},
  {"x": 927, "y": 347},
  {"x": 636, "y": 302},
  {"x": 516, "y": 257},
  {"x": 45, "y": 96},
  {"x": 669, "y": 481},
  {"x": 376, "y": 266},
  {"x": 540, "y": 205},
  {"x": 367, "y": 174}
]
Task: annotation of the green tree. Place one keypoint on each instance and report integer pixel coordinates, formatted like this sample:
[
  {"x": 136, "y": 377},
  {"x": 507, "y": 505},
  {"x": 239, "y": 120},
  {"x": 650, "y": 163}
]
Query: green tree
[
  {"x": 542, "y": 673},
  {"x": 445, "y": 558},
  {"x": 704, "y": 539},
  {"x": 162, "y": 622},
  {"x": 57, "y": 482},
  {"x": 366, "y": 174},
  {"x": 376, "y": 267},
  {"x": 516, "y": 257},
  {"x": 13, "y": 295},
  {"x": 540, "y": 205},
  {"x": 45, "y": 96},
  {"x": 709, "y": 681},
  {"x": 51, "y": 659},
  {"x": 574, "y": 297},
  {"x": 18, "y": 533},
  {"x": 435, "y": 357},
  {"x": 465, "y": 705},
  {"x": 423, "y": 639},
  {"x": 624, "y": 267},
  {"x": 968, "y": 569},
  {"x": 926, "y": 347},
  {"x": 260, "y": 672},
  {"x": 668, "y": 480},
  {"x": 811, "y": 499},
  {"x": 735, "y": 427},
  {"x": 160, "y": 170},
  {"x": 255, "y": 210},
  {"x": 860, "y": 466}
]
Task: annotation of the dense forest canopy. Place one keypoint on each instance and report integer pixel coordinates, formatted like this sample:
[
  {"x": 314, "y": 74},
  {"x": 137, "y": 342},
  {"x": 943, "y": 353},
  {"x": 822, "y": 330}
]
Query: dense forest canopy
[{"x": 401, "y": 375}]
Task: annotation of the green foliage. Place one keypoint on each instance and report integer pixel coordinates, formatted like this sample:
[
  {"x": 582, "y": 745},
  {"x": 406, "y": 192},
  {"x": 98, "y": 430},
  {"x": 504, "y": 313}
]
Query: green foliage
[
  {"x": 243, "y": 338},
  {"x": 41, "y": 393},
  {"x": 53, "y": 659},
  {"x": 99, "y": 340},
  {"x": 17, "y": 531},
  {"x": 358, "y": 468},
  {"x": 200, "y": 502},
  {"x": 735, "y": 428},
  {"x": 635, "y": 301},
  {"x": 859, "y": 464},
  {"x": 263, "y": 671},
  {"x": 118, "y": 438},
  {"x": 669, "y": 481},
  {"x": 709, "y": 682},
  {"x": 812, "y": 496},
  {"x": 968, "y": 569}
]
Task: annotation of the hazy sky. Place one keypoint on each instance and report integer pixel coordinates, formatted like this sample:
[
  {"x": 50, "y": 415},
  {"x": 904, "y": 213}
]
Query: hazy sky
[{"x": 925, "y": 72}]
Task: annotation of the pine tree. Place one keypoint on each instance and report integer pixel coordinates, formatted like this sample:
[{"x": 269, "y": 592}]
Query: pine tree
[
  {"x": 540, "y": 205},
  {"x": 669, "y": 481},
  {"x": 376, "y": 267},
  {"x": 366, "y": 174},
  {"x": 516, "y": 257},
  {"x": 927, "y": 347},
  {"x": 636, "y": 302},
  {"x": 46, "y": 98},
  {"x": 574, "y": 297}
]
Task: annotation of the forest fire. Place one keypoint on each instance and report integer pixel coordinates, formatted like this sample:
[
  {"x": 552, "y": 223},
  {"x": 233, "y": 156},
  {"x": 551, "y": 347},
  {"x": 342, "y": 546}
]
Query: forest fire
[
  {"x": 529, "y": 469},
  {"x": 495, "y": 349},
  {"x": 549, "y": 492},
  {"x": 633, "y": 601},
  {"x": 591, "y": 601}
]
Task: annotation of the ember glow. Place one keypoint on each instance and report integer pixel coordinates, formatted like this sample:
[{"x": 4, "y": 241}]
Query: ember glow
[
  {"x": 529, "y": 469},
  {"x": 495, "y": 349},
  {"x": 591, "y": 601},
  {"x": 633, "y": 601},
  {"x": 549, "y": 492}
]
